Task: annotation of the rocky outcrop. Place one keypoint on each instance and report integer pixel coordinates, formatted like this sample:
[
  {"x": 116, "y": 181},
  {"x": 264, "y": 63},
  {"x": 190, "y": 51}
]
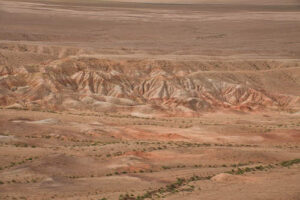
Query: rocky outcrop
[{"x": 85, "y": 82}]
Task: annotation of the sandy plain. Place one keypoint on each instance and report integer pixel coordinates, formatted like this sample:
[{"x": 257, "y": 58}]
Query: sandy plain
[{"x": 149, "y": 99}]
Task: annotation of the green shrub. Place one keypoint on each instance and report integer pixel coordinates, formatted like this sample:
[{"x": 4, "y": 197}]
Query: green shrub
[{"x": 290, "y": 162}]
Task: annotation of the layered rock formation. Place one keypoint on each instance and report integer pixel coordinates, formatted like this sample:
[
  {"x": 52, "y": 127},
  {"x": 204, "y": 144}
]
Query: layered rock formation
[{"x": 85, "y": 82}]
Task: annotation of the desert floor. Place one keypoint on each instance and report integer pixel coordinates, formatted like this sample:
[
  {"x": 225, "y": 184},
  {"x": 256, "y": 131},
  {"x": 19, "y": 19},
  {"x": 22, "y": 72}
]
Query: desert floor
[
  {"x": 230, "y": 29},
  {"x": 92, "y": 156},
  {"x": 82, "y": 154}
]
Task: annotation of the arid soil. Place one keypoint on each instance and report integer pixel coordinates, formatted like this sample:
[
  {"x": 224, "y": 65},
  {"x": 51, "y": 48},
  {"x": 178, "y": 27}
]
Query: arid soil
[
  {"x": 151, "y": 99},
  {"x": 79, "y": 156}
]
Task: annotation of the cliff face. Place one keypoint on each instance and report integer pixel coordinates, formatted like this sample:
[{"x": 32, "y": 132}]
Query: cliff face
[{"x": 73, "y": 81}]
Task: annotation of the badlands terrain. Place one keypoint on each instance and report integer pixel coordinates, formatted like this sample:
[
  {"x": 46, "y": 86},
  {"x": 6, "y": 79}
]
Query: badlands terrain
[{"x": 150, "y": 99}]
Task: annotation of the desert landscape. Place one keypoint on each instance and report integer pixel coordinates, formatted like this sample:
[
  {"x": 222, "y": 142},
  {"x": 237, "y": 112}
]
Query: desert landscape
[{"x": 149, "y": 99}]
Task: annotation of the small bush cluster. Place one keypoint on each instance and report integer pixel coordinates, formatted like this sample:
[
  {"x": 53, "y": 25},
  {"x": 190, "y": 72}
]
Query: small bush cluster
[
  {"x": 181, "y": 182},
  {"x": 188, "y": 144},
  {"x": 170, "y": 188},
  {"x": 290, "y": 162},
  {"x": 240, "y": 171},
  {"x": 12, "y": 164}
]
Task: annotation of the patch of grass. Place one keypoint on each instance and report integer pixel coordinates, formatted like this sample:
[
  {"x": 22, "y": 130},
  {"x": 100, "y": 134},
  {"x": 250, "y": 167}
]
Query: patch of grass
[
  {"x": 166, "y": 167},
  {"x": 240, "y": 171},
  {"x": 181, "y": 184},
  {"x": 12, "y": 164},
  {"x": 126, "y": 197},
  {"x": 290, "y": 162}
]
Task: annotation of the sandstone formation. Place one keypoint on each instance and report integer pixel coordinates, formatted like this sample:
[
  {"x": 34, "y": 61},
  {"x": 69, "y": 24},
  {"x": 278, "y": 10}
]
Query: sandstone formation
[{"x": 65, "y": 79}]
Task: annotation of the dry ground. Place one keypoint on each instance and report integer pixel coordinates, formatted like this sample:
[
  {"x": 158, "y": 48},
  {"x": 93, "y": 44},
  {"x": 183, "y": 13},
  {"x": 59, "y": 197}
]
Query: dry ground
[
  {"x": 79, "y": 156},
  {"x": 231, "y": 29},
  {"x": 71, "y": 153}
]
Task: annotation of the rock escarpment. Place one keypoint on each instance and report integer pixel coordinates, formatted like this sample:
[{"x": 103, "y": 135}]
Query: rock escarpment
[{"x": 108, "y": 85}]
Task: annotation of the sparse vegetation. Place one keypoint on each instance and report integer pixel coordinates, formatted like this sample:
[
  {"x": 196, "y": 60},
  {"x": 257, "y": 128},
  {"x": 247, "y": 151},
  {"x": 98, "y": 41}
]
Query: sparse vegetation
[
  {"x": 290, "y": 162},
  {"x": 107, "y": 149},
  {"x": 149, "y": 99},
  {"x": 12, "y": 164}
]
